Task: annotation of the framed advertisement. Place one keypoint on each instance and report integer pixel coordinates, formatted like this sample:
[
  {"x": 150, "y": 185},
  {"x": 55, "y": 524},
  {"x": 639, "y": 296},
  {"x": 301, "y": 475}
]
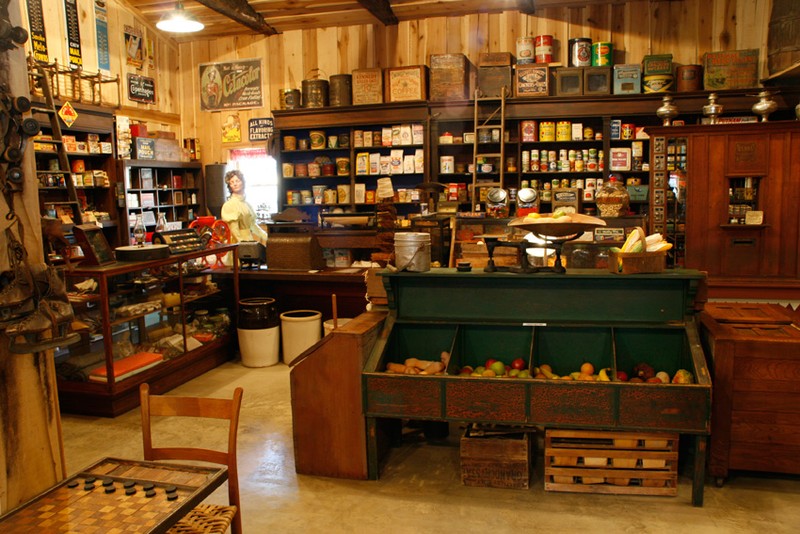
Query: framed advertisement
[
  {"x": 93, "y": 243},
  {"x": 230, "y": 85}
]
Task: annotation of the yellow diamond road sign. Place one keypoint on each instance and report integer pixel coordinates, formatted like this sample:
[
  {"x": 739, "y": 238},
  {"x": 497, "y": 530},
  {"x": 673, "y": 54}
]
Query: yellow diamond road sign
[{"x": 68, "y": 114}]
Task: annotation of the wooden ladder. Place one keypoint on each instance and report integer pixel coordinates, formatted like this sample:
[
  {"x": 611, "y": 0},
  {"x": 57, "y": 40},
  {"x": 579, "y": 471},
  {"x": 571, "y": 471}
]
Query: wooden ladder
[
  {"x": 42, "y": 79},
  {"x": 486, "y": 120}
]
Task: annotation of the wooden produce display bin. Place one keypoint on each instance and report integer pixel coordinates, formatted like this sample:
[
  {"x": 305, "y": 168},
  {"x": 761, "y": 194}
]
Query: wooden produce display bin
[
  {"x": 563, "y": 320},
  {"x": 496, "y": 457},
  {"x": 629, "y": 463},
  {"x": 754, "y": 355}
]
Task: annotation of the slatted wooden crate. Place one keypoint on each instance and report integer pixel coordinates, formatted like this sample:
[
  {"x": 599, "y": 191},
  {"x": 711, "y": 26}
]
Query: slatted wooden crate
[
  {"x": 589, "y": 461},
  {"x": 496, "y": 457}
]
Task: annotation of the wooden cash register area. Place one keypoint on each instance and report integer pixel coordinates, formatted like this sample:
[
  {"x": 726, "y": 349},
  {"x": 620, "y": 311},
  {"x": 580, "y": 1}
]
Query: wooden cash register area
[{"x": 559, "y": 319}]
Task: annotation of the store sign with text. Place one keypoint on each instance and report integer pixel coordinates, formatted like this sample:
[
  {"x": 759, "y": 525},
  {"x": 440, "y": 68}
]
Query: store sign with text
[
  {"x": 260, "y": 129},
  {"x": 141, "y": 89},
  {"x": 230, "y": 85}
]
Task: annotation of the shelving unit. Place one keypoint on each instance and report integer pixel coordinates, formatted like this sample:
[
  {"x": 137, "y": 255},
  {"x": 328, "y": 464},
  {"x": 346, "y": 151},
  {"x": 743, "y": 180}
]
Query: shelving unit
[
  {"x": 144, "y": 327},
  {"x": 150, "y": 187}
]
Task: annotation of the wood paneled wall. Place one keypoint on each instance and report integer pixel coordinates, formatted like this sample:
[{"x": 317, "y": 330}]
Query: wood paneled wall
[{"x": 686, "y": 29}]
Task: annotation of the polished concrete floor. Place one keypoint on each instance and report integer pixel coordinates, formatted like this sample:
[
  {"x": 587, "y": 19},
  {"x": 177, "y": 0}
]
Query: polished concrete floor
[{"x": 420, "y": 488}]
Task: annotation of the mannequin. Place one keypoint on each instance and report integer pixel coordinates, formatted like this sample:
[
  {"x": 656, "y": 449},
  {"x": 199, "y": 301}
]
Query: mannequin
[{"x": 239, "y": 214}]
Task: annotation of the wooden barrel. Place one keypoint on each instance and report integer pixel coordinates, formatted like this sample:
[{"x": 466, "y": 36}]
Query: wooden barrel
[
  {"x": 315, "y": 93},
  {"x": 783, "y": 47},
  {"x": 341, "y": 87}
]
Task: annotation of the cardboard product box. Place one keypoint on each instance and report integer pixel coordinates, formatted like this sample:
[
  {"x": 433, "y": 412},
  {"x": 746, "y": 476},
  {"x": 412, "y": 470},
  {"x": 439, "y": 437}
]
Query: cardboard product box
[
  {"x": 143, "y": 148},
  {"x": 627, "y": 79},
  {"x": 532, "y": 80},
  {"x": 449, "y": 77},
  {"x": 404, "y": 84},
  {"x": 734, "y": 69},
  {"x": 597, "y": 81},
  {"x": 367, "y": 86},
  {"x": 569, "y": 81},
  {"x": 569, "y": 199},
  {"x": 491, "y": 80},
  {"x": 657, "y": 64},
  {"x": 495, "y": 59}
]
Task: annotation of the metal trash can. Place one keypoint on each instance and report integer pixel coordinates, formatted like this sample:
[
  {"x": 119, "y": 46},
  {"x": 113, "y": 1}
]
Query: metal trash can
[
  {"x": 258, "y": 328},
  {"x": 301, "y": 329}
]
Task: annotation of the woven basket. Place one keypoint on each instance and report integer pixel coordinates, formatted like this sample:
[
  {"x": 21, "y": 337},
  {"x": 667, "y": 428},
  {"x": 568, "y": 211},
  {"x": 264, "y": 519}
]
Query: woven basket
[{"x": 205, "y": 519}]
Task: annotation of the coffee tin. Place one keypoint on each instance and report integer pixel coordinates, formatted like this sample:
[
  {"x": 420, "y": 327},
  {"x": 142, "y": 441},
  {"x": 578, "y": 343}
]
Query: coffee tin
[
  {"x": 657, "y": 83},
  {"x": 602, "y": 54},
  {"x": 529, "y": 131},
  {"x": 341, "y": 86},
  {"x": 547, "y": 131},
  {"x": 564, "y": 131},
  {"x": 289, "y": 142},
  {"x": 690, "y": 78},
  {"x": 543, "y": 46},
  {"x": 301, "y": 169},
  {"x": 317, "y": 139},
  {"x": 290, "y": 99},
  {"x": 525, "y": 50},
  {"x": 315, "y": 93},
  {"x": 580, "y": 52}
]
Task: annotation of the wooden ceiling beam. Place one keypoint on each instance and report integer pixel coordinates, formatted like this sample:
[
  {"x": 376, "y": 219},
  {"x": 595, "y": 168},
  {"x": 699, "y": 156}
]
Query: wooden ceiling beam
[
  {"x": 382, "y": 11},
  {"x": 241, "y": 12},
  {"x": 526, "y": 7}
]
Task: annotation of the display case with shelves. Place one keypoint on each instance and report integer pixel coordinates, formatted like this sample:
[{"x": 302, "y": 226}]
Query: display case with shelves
[
  {"x": 161, "y": 321},
  {"x": 149, "y": 187}
]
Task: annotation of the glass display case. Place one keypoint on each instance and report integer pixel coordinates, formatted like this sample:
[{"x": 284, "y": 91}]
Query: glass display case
[{"x": 160, "y": 321}]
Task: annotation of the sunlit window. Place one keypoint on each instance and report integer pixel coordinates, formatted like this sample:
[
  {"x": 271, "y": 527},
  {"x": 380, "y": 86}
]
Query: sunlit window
[{"x": 260, "y": 172}]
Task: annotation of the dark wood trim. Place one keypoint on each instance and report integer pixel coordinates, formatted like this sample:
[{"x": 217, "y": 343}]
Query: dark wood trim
[
  {"x": 242, "y": 12},
  {"x": 381, "y": 10}
]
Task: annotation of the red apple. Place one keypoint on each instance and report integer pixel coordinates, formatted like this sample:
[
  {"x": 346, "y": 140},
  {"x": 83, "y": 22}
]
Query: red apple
[
  {"x": 489, "y": 362},
  {"x": 519, "y": 363},
  {"x": 622, "y": 376},
  {"x": 466, "y": 370}
]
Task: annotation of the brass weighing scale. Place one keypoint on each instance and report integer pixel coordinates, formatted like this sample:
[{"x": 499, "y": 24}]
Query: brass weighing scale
[{"x": 553, "y": 233}]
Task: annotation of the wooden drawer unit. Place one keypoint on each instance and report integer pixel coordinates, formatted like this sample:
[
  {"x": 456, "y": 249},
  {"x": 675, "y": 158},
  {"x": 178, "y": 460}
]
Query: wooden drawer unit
[{"x": 755, "y": 420}]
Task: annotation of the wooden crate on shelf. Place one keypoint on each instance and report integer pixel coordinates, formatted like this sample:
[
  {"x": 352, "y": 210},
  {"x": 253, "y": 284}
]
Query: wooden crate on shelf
[
  {"x": 631, "y": 463},
  {"x": 496, "y": 456}
]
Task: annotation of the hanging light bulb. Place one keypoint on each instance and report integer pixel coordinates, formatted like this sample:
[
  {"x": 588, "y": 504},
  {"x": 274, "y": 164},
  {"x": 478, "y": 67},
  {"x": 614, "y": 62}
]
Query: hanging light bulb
[{"x": 179, "y": 21}]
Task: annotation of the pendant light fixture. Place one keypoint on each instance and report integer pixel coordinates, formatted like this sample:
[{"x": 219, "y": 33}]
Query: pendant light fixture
[{"x": 179, "y": 21}]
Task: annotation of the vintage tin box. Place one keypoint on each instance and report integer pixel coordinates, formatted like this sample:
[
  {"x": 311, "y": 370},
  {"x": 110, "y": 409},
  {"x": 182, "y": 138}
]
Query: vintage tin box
[
  {"x": 627, "y": 79},
  {"x": 404, "y": 84},
  {"x": 367, "y": 86},
  {"x": 533, "y": 80},
  {"x": 449, "y": 77}
]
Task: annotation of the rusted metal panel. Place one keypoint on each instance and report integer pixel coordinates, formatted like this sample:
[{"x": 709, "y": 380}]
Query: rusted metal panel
[
  {"x": 573, "y": 404},
  {"x": 407, "y": 397},
  {"x": 493, "y": 399},
  {"x": 667, "y": 407}
]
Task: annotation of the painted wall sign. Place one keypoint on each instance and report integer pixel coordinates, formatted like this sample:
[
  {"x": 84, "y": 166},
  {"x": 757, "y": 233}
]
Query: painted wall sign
[
  {"x": 134, "y": 46},
  {"x": 37, "y": 33},
  {"x": 141, "y": 89},
  {"x": 230, "y": 85},
  {"x": 260, "y": 129},
  {"x": 73, "y": 34}
]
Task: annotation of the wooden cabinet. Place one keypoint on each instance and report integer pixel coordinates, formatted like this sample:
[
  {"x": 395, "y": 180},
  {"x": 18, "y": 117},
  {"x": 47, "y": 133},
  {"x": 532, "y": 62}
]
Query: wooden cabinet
[
  {"x": 731, "y": 192},
  {"x": 90, "y": 150},
  {"x": 161, "y": 321},
  {"x": 150, "y": 187},
  {"x": 754, "y": 358}
]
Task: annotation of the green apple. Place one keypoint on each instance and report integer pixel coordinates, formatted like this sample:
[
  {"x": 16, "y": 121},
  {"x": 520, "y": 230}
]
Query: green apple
[
  {"x": 524, "y": 374},
  {"x": 480, "y": 369},
  {"x": 499, "y": 368},
  {"x": 513, "y": 372}
]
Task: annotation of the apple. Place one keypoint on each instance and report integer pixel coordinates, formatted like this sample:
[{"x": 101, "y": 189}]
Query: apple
[
  {"x": 622, "y": 376},
  {"x": 514, "y": 372},
  {"x": 519, "y": 363},
  {"x": 524, "y": 374},
  {"x": 480, "y": 369},
  {"x": 489, "y": 362},
  {"x": 498, "y": 367},
  {"x": 466, "y": 370}
]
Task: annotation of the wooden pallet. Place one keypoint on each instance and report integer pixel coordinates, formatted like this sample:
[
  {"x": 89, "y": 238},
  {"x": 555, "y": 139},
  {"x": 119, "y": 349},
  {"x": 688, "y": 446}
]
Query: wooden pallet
[{"x": 631, "y": 463}]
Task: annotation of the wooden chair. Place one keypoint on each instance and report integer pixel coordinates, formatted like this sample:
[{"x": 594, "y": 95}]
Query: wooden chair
[{"x": 205, "y": 518}]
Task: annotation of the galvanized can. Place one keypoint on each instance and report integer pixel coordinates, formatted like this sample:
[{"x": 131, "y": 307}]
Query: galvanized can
[
  {"x": 315, "y": 93},
  {"x": 290, "y": 99},
  {"x": 341, "y": 86}
]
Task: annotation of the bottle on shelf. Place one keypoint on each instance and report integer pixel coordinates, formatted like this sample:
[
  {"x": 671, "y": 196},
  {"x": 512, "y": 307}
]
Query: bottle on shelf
[
  {"x": 161, "y": 224},
  {"x": 139, "y": 231}
]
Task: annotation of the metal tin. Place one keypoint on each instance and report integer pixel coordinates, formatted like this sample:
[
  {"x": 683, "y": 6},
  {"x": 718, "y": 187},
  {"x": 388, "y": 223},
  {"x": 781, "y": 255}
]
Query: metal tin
[
  {"x": 341, "y": 90},
  {"x": 301, "y": 169},
  {"x": 528, "y": 131},
  {"x": 446, "y": 164},
  {"x": 289, "y": 142},
  {"x": 288, "y": 170},
  {"x": 690, "y": 78},
  {"x": 484, "y": 136},
  {"x": 580, "y": 52},
  {"x": 657, "y": 83},
  {"x": 547, "y": 131},
  {"x": 343, "y": 166},
  {"x": 602, "y": 54},
  {"x": 563, "y": 131},
  {"x": 315, "y": 93},
  {"x": 627, "y": 131},
  {"x": 543, "y": 47},
  {"x": 317, "y": 139},
  {"x": 290, "y": 99},
  {"x": 616, "y": 129},
  {"x": 314, "y": 169},
  {"x": 524, "y": 50},
  {"x": 526, "y": 161}
]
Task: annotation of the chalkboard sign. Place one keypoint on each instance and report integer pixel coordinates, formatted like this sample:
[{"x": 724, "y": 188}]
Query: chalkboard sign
[
  {"x": 141, "y": 89},
  {"x": 260, "y": 129}
]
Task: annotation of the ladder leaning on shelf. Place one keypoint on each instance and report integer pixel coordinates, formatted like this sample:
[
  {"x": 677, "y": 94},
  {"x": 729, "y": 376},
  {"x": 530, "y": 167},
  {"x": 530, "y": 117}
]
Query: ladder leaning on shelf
[
  {"x": 486, "y": 120},
  {"x": 42, "y": 79}
]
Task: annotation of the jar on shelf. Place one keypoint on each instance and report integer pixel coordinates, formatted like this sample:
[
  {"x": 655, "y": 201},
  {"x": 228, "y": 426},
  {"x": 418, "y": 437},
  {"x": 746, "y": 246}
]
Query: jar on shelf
[
  {"x": 497, "y": 203},
  {"x": 612, "y": 199}
]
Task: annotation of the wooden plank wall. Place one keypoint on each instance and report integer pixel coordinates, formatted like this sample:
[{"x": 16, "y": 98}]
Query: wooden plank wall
[{"x": 687, "y": 29}]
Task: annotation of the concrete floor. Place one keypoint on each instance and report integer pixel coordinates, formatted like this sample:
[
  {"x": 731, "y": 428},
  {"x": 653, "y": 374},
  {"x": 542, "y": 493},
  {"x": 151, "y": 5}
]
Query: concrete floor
[{"x": 420, "y": 488}]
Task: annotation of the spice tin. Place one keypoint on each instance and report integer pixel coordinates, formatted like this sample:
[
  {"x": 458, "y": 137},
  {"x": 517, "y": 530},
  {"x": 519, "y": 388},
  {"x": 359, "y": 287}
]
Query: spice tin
[
  {"x": 616, "y": 129},
  {"x": 289, "y": 142},
  {"x": 547, "y": 131},
  {"x": 344, "y": 140},
  {"x": 588, "y": 133},
  {"x": 543, "y": 46},
  {"x": 302, "y": 144},
  {"x": 290, "y": 99},
  {"x": 657, "y": 83},
  {"x": 602, "y": 54},
  {"x": 564, "y": 131},
  {"x": 328, "y": 169},
  {"x": 330, "y": 196},
  {"x": 525, "y": 50},
  {"x": 580, "y": 52}
]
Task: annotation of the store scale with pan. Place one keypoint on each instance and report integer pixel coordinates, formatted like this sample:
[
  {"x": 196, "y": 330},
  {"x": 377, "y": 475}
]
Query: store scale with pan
[{"x": 553, "y": 232}]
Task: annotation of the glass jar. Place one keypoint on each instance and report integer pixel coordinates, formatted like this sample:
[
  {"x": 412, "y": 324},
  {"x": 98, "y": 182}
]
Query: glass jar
[
  {"x": 497, "y": 203},
  {"x": 612, "y": 199}
]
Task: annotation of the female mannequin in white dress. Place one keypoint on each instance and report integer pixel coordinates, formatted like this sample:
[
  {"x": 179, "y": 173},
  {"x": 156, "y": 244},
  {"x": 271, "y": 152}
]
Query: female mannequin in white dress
[{"x": 239, "y": 214}]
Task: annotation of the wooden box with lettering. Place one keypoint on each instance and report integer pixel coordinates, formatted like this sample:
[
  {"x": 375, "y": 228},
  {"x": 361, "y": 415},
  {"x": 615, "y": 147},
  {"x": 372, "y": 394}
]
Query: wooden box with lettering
[
  {"x": 569, "y": 81},
  {"x": 732, "y": 69},
  {"x": 367, "y": 86},
  {"x": 168, "y": 150},
  {"x": 493, "y": 80},
  {"x": 532, "y": 80},
  {"x": 495, "y": 59},
  {"x": 405, "y": 84},
  {"x": 449, "y": 77},
  {"x": 597, "y": 81}
]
